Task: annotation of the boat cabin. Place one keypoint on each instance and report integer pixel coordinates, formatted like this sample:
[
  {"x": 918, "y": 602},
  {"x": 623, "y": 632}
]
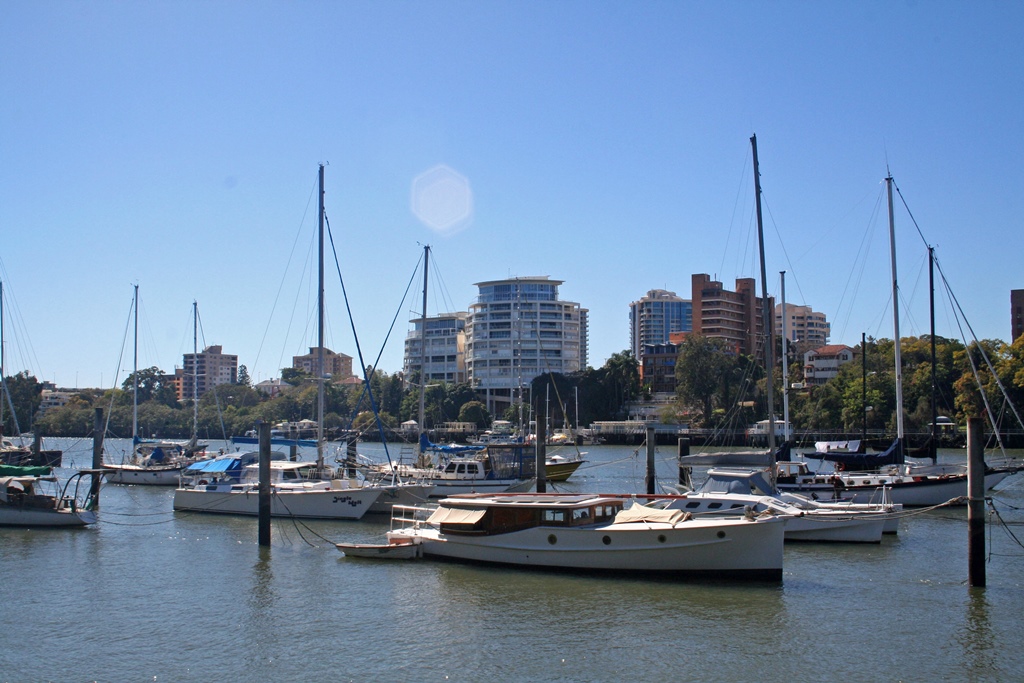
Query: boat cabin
[
  {"x": 488, "y": 514},
  {"x": 466, "y": 468}
]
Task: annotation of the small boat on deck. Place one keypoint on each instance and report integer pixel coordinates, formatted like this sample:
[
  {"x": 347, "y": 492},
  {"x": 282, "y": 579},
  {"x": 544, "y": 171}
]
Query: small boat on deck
[{"x": 592, "y": 533}]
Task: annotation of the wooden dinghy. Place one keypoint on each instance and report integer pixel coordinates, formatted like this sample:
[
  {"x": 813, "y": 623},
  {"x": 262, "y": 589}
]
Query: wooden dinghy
[{"x": 404, "y": 550}]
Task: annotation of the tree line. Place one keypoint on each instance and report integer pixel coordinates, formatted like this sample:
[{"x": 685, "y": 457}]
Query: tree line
[
  {"x": 233, "y": 409},
  {"x": 717, "y": 387}
]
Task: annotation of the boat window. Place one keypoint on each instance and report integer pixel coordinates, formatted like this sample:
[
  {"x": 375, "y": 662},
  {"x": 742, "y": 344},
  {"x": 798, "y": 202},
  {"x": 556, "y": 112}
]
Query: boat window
[
  {"x": 693, "y": 504},
  {"x": 714, "y": 506},
  {"x": 581, "y": 516},
  {"x": 604, "y": 512},
  {"x": 553, "y": 516}
]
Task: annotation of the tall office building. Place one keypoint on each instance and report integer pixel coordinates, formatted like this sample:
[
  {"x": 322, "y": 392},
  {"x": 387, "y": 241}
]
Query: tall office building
[
  {"x": 337, "y": 366},
  {"x": 445, "y": 351},
  {"x": 656, "y": 316},
  {"x": 518, "y": 329},
  {"x": 736, "y": 316},
  {"x": 803, "y": 325},
  {"x": 206, "y": 370}
]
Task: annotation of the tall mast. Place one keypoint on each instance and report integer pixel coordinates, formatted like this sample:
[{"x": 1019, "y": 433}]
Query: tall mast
[
  {"x": 934, "y": 442},
  {"x": 195, "y": 373},
  {"x": 421, "y": 415},
  {"x": 895, "y": 319},
  {"x": 135, "y": 374},
  {"x": 785, "y": 363},
  {"x": 767, "y": 319},
  {"x": 863, "y": 387},
  {"x": 523, "y": 432},
  {"x": 320, "y": 332}
]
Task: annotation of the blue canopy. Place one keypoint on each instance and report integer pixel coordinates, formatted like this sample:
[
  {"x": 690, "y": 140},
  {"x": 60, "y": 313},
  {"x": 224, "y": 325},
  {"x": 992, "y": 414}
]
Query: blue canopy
[
  {"x": 215, "y": 465},
  {"x": 427, "y": 445}
]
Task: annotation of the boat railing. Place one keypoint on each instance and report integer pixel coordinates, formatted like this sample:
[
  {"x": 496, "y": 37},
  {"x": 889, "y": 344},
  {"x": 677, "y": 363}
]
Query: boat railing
[{"x": 409, "y": 516}]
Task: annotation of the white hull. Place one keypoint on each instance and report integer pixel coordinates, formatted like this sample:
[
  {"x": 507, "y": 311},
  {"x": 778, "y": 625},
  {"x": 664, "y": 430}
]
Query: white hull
[
  {"x": 901, "y": 490},
  {"x": 164, "y": 475},
  {"x": 836, "y": 529},
  {"x": 818, "y": 525},
  {"x": 28, "y": 517},
  {"x": 349, "y": 503},
  {"x": 737, "y": 548},
  {"x": 442, "y": 488}
]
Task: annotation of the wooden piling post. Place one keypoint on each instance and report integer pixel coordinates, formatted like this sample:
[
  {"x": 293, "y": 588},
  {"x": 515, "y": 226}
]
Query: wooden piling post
[
  {"x": 976, "y": 501},
  {"x": 96, "y": 478},
  {"x": 264, "y": 485},
  {"x": 650, "y": 478}
]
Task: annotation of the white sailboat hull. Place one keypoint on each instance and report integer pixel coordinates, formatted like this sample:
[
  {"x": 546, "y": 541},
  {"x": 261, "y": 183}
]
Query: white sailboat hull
[
  {"x": 33, "y": 517},
  {"x": 904, "y": 490},
  {"x": 822, "y": 529},
  {"x": 349, "y": 503},
  {"x": 442, "y": 488},
  {"x": 163, "y": 475}
]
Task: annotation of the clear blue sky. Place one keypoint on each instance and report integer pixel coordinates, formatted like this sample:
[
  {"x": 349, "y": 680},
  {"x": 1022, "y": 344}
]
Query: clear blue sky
[{"x": 175, "y": 145}]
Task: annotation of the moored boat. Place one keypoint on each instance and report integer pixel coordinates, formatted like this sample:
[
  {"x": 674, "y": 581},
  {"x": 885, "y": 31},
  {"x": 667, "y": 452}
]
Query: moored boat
[
  {"x": 558, "y": 467},
  {"x": 729, "y": 491},
  {"x": 230, "y": 485},
  {"x": 25, "y": 503},
  {"x": 909, "y": 485},
  {"x": 592, "y": 532}
]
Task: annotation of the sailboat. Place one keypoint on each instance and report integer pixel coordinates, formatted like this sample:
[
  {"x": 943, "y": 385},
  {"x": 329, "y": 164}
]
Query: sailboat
[
  {"x": 156, "y": 462},
  {"x": 860, "y": 477},
  {"x": 18, "y": 453},
  {"x": 34, "y": 497},
  {"x": 737, "y": 482},
  {"x": 454, "y": 469},
  {"x": 229, "y": 484}
]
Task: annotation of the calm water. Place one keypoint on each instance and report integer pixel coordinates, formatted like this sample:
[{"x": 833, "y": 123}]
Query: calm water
[{"x": 153, "y": 595}]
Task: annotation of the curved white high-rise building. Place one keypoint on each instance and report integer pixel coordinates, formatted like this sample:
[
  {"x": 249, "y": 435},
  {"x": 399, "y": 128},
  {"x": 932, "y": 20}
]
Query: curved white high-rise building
[{"x": 519, "y": 329}]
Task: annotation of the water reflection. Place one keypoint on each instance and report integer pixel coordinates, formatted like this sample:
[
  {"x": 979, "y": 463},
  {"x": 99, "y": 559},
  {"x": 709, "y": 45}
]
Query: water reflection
[
  {"x": 261, "y": 596},
  {"x": 976, "y": 637}
]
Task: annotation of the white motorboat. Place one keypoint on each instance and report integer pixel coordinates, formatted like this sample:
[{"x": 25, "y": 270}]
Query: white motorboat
[
  {"x": 728, "y": 491},
  {"x": 591, "y": 532},
  {"x": 26, "y": 502}
]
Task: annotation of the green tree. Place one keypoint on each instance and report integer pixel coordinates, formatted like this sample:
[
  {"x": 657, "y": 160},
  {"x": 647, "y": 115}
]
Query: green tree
[
  {"x": 475, "y": 412},
  {"x": 152, "y": 386},
  {"x": 25, "y": 393},
  {"x": 243, "y": 376},
  {"x": 294, "y": 376},
  {"x": 705, "y": 368}
]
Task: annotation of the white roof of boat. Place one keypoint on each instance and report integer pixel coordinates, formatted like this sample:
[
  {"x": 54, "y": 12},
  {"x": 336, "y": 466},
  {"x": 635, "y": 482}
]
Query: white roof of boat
[
  {"x": 285, "y": 465},
  {"x": 527, "y": 499}
]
